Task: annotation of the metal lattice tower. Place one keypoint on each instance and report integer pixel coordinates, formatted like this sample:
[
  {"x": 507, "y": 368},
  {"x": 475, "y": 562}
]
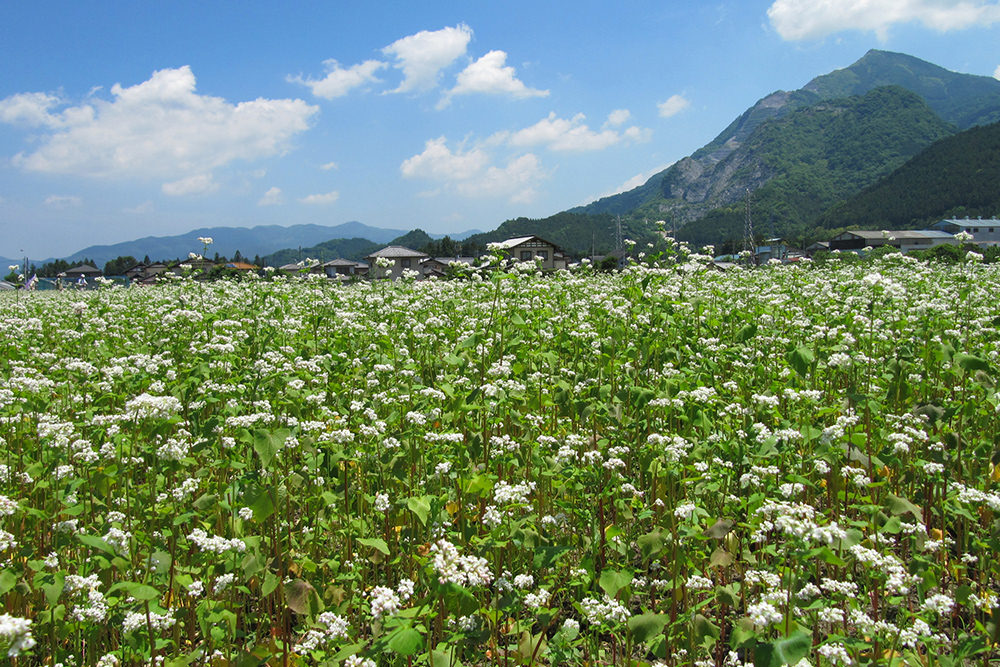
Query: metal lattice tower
[{"x": 748, "y": 242}]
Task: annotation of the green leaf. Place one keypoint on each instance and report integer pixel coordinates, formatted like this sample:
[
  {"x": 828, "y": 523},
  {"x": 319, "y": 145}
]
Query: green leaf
[
  {"x": 261, "y": 503},
  {"x": 651, "y": 543},
  {"x": 721, "y": 558},
  {"x": 7, "y": 581},
  {"x": 297, "y": 595},
  {"x": 420, "y": 506},
  {"x": 444, "y": 656},
  {"x": 970, "y": 363},
  {"x": 783, "y": 651},
  {"x": 53, "y": 590},
  {"x": 140, "y": 592},
  {"x": 645, "y": 627},
  {"x": 407, "y": 641},
  {"x": 206, "y": 501},
  {"x": 547, "y": 556},
  {"x": 267, "y": 445},
  {"x": 612, "y": 581},
  {"x": 719, "y": 529},
  {"x": 270, "y": 583},
  {"x": 800, "y": 359},
  {"x": 726, "y": 595},
  {"x": 705, "y": 632},
  {"x": 97, "y": 543},
  {"x": 376, "y": 543},
  {"x": 898, "y": 506}
]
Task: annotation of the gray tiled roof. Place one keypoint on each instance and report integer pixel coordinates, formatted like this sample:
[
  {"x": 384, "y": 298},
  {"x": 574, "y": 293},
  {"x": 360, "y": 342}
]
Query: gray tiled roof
[{"x": 397, "y": 252}]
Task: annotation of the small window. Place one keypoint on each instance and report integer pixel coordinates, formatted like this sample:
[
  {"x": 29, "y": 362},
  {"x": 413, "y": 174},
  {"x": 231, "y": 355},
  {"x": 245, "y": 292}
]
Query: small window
[
  {"x": 405, "y": 263},
  {"x": 544, "y": 254},
  {"x": 525, "y": 255}
]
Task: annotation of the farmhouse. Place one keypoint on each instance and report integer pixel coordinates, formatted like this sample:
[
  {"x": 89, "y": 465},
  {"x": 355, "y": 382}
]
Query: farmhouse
[
  {"x": 527, "y": 248},
  {"x": 145, "y": 274},
  {"x": 82, "y": 271},
  {"x": 438, "y": 266},
  {"x": 401, "y": 259},
  {"x": 984, "y": 232},
  {"x": 904, "y": 240},
  {"x": 344, "y": 268}
]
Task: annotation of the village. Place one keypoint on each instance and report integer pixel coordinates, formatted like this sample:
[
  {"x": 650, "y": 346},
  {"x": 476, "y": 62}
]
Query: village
[{"x": 394, "y": 261}]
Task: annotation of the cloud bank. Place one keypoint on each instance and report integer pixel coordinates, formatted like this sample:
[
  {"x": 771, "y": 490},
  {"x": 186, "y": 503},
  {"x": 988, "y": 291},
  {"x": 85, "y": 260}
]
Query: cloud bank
[
  {"x": 814, "y": 19},
  {"x": 161, "y": 128}
]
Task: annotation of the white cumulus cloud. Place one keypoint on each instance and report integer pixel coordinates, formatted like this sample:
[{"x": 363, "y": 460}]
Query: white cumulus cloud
[
  {"x": 321, "y": 199},
  {"x": 196, "y": 184},
  {"x": 491, "y": 75},
  {"x": 422, "y": 56},
  {"x": 618, "y": 117},
  {"x": 63, "y": 201},
  {"x": 440, "y": 163},
  {"x": 570, "y": 134},
  {"x": 814, "y": 19},
  {"x": 160, "y": 128},
  {"x": 471, "y": 174},
  {"x": 515, "y": 180},
  {"x": 673, "y": 106},
  {"x": 271, "y": 198},
  {"x": 339, "y": 81},
  {"x": 996, "y": 73}
]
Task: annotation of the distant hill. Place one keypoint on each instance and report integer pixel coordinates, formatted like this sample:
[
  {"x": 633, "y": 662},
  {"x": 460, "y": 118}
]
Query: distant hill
[
  {"x": 955, "y": 177},
  {"x": 250, "y": 241},
  {"x": 356, "y": 249},
  {"x": 716, "y": 177},
  {"x": 799, "y": 165}
]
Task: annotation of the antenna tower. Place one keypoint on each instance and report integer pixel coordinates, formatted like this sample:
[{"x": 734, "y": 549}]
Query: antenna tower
[
  {"x": 618, "y": 231},
  {"x": 748, "y": 242}
]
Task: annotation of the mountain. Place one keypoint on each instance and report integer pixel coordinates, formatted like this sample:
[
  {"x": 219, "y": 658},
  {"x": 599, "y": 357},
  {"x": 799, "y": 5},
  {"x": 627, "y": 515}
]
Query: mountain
[
  {"x": 260, "y": 240},
  {"x": 954, "y": 177},
  {"x": 963, "y": 100},
  {"x": 355, "y": 248},
  {"x": 799, "y": 165},
  {"x": 719, "y": 174}
]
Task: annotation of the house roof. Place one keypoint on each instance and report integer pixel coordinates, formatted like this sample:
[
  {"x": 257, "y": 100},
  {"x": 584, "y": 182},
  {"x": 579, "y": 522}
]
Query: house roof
[
  {"x": 83, "y": 268},
  {"x": 242, "y": 266},
  {"x": 898, "y": 234},
  {"x": 514, "y": 242},
  {"x": 510, "y": 243},
  {"x": 397, "y": 252},
  {"x": 344, "y": 262},
  {"x": 448, "y": 260},
  {"x": 968, "y": 223}
]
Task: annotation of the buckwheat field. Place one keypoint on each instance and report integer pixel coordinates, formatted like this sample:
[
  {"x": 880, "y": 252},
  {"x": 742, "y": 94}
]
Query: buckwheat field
[{"x": 668, "y": 465}]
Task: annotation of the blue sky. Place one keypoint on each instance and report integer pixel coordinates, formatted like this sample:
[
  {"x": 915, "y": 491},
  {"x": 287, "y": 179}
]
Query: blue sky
[{"x": 121, "y": 120}]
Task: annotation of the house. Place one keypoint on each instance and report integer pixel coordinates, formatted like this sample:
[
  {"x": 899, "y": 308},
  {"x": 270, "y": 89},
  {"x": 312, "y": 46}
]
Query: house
[
  {"x": 905, "y": 240},
  {"x": 241, "y": 266},
  {"x": 84, "y": 271},
  {"x": 391, "y": 261},
  {"x": 440, "y": 266},
  {"x": 527, "y": 248},
  {"x": 344, "y": 268},
  {"x": 775, "y": 249},
  {"x": 984, "y": 232},
  {"x": 819, "y": 246},
  {"x": 145, "y": 274}
]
